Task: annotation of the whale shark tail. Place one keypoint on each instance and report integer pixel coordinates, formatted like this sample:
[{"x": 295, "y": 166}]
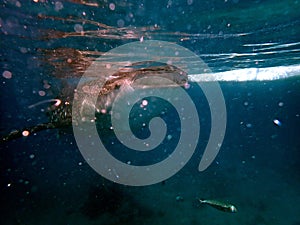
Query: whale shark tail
[{"x": 27, "y": 131}]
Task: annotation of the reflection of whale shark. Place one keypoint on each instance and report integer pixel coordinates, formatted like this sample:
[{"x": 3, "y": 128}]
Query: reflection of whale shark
[{"x": 60, "y": 114}]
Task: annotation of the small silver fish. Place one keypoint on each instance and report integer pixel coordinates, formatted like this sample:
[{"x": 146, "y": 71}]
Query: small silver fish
[{"x": 226, "y": 207}]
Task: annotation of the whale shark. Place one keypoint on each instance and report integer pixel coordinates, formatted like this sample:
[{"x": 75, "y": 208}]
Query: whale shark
[{"x": 60, "y": 113}]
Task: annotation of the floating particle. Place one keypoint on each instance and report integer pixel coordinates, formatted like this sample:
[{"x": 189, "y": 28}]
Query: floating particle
[
  {"x": 277, "y": 122},
  {"x": 47, "y": 86},
  {"x": 42, "y": 93},
  {"x": 58, "y": 6},
  {"x": 18, "y": 4},
  {"x": 249, "y": 125},
  {"x": 112, "y": 6},
  {"x": 179, "y": 198},
  {"x": 25, "y": 133},
  {"x": 32, "y": 156},
  {"x": 120, "y": 23},
  {"x": 169, "y": 137},
  {"x": 7, "y": 74},
  {"x": 58, "y": 102},
  {"x": 78, "y": 28},
  {"x": 130, "y": 15},
  {"x": 187, "y": 85},
  {"x": 144, "y": 102},
  {"x": 23, "y": 50},
  {"x": 189, "y": 2},
  {"x": 246, "y": 103},
  {"x": 280, "y": 104}
]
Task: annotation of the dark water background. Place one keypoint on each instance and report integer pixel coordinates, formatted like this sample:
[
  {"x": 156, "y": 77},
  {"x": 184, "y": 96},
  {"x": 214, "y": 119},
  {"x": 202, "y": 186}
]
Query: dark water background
[{"x": 44, "y": 179}]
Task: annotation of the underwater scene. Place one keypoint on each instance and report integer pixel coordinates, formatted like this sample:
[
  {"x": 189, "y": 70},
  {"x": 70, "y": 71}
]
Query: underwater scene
[{"x": 143, "y": 112}]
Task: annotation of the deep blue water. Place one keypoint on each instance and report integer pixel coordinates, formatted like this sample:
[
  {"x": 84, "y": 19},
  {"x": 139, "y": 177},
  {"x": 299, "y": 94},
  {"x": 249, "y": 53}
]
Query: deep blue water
[{"x": 44, "y": 177}]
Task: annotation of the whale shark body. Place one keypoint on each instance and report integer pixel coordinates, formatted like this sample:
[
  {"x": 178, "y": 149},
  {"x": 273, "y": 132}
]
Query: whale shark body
[{"x": 60, "y": 114}]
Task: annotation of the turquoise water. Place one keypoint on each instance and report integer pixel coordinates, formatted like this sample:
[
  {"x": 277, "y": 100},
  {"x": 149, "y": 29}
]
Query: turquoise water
[{"x": 251, "y": 48}]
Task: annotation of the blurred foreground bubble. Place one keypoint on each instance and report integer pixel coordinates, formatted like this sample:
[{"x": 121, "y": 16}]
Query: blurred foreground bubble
[{"x": 6, "y": 74}]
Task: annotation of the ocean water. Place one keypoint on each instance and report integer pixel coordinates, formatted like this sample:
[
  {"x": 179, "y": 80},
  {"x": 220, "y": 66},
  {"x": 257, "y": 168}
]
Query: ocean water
[{"x": 252, "y": 49}]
